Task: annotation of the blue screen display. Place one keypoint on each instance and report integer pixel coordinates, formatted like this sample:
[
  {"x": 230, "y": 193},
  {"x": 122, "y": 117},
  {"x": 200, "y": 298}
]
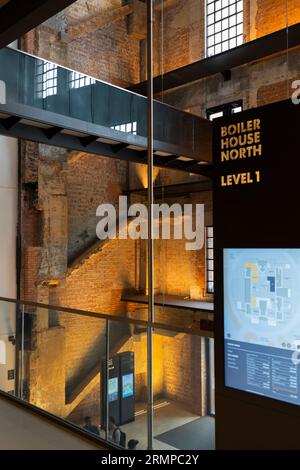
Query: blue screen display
[
  {"x": 127, "y": 385},
  {"x": 113, "y": 385},
  {"x": 262, "y": 321}
]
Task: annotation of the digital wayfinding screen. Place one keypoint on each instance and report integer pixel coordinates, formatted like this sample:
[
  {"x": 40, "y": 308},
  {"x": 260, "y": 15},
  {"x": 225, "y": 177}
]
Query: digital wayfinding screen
[
  {"x": 113, "y": 385},
  {"x": 127, "y": 385},
  {"x": 262, "y": 321}
]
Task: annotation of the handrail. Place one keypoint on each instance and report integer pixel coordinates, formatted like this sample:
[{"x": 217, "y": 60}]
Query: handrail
[{"x": 104, "y": 316}]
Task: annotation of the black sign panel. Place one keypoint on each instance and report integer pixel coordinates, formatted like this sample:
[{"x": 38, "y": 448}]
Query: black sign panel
[{"x": 257, "y": 270}]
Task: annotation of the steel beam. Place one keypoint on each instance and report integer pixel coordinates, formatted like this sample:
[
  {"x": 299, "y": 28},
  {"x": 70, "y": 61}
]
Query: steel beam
[
  {"x": 72, "y": 142},
  {"x": 260, "y": 48}
]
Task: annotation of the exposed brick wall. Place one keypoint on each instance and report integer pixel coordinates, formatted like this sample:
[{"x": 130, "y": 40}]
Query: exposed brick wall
[
  {"x": 182, "y": 371},
  {"x": 29, "y": 165},
  {"x": 177, "y": 270},
  {"x": 178, "y": 35},
  {"x": 97, "y": 287},
  {"x": 29, "y": 42},
  {"x": 31, "y": 261},
  {"x": 277, "y": 91},
  {"x": 108, "y": 53},
  {"x": 91, "y": 181},
  {"x": 46, "y": 373},
  {"x": 179, "y": 28},
  {"x": 274, "y": 15},
  {"x": 244, "y": 85}
]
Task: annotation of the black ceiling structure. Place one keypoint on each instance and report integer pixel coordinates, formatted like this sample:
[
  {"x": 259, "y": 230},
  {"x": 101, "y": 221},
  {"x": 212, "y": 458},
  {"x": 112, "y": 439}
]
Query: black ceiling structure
[
  {"x": 222, "y": 63},
  {"x": 17, "y": 17}
]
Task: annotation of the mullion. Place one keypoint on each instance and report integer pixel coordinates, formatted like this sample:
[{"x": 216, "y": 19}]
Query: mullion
[{"x": 218, "y": 42}]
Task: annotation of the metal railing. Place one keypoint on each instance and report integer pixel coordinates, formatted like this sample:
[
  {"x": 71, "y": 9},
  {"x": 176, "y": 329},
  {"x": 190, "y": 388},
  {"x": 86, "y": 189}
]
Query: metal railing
[{"x": 66, "y": 363}]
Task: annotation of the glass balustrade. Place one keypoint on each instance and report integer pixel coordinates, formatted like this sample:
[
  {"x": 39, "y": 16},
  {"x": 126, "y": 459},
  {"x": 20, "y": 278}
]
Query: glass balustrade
[
  {"x": 91, "y": 370},
  {"x": 30, "y": 84}
]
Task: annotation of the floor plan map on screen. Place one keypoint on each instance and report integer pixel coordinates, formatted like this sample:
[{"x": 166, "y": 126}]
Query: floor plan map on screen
[{"x": 262, "y": 296}]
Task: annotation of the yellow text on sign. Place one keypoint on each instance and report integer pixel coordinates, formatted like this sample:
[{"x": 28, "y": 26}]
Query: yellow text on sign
[{"x": 240, "y": 178}]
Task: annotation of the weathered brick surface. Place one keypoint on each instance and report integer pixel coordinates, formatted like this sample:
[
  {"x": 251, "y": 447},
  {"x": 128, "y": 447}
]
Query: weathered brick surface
[
  {"x": 277, "y": 91},
  {"x": 91, "y": 181},
  {"x": 182, "y": 371},
  {"x": 274, "y": 15},
  {"x": 31, "y": 261},
  {"x": 178, "y": 34},
  {"x": 97, "y": 287},
  {"x": 246, "y": 85},
  {"x": 46, "y": 373},
  {"x": 108, "y": 53}
]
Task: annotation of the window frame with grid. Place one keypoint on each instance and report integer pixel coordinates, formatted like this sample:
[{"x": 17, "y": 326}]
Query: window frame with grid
[
  {"x": 224, "y": 25},
  {"x": 209, "y": 258},
  {"x": 46, "y": 79}
]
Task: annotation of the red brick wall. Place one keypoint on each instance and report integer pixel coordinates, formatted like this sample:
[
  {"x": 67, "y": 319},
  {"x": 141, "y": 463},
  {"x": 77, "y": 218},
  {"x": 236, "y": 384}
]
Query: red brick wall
[
  {"x": 183, "y": 372},
  {"x": 108, "y": 53},
  {"x": 91, "y": 180},
  {"x": 30, "y": 263},
  {"x": 179, "y": 35},
  {"x": 97, "y": 287},
  {"x": 273, "y": 15},
  {"x": 277, "y": 91}
]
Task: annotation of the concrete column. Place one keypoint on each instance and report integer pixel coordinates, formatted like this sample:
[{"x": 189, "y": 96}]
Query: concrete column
[{"x": 8, "y": 233}]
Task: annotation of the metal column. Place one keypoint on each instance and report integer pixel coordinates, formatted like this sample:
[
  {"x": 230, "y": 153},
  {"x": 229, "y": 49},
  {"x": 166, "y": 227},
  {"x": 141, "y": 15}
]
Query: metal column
[{"x": 150, "y": 217}]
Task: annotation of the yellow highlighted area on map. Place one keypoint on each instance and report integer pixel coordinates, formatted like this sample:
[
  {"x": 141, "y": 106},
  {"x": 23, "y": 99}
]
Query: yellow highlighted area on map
[{"x": 254, "y": 270}]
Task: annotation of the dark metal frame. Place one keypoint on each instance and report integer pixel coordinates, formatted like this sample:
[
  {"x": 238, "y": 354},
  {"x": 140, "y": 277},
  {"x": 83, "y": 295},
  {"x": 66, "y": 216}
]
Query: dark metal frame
[
  {"x": 260, "y": 48},
  {"x": 103, "y": 316},
  {"x": 11, "y": 126}
]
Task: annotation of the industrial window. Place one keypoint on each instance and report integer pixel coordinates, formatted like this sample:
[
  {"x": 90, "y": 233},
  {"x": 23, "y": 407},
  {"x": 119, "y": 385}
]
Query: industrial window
[
  {"x": 224, "y": 110},
  {"x": 46, "y": 79},
  {"x": 209, "y": 240},
  {"x": 78, "y": 80},
  {"x": 129, "y": 127},
  {"x": 224, "y": 25}
]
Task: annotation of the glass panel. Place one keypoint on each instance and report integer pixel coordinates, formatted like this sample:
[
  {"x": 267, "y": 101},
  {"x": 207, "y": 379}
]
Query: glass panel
[
  {"x": 181, "y": 418},
  {"x": 60, "y": 366}
]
